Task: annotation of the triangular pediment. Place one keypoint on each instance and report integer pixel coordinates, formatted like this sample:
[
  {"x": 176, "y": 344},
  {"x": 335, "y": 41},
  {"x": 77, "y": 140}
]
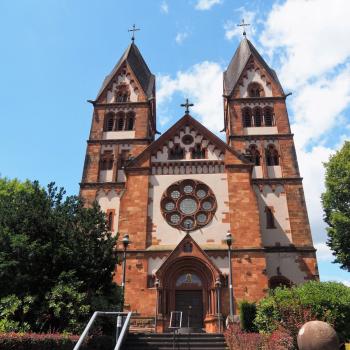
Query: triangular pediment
[
  {"x": 131, "y": 70},
  {"x": 188, "y": 141},
  {"x": 247, "y": 58},
  {"x": 188, "y": 251}
]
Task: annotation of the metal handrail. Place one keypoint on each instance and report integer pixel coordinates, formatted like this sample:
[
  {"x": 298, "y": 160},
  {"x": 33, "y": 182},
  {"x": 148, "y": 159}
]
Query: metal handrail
[
  {"x": 92, "y": 320},
  {"x": 123, "y": 332}
]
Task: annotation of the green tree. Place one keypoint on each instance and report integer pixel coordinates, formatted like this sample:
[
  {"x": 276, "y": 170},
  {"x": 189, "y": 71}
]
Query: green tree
[
  {"x": 56, "y": 251},
  {"x": 336, "y": 204}
]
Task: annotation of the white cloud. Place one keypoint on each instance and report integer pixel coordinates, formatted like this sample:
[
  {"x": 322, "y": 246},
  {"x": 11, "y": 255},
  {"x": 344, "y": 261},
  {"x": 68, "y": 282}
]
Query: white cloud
[
  {"x": 206, "y": 4},
  {"x": 313, "y": 36},
  {"x": 202, "y": 84},
  {"x": 323, "y": 252},
  {"x": 164, "y": 7},
  {"x": 233, "y": 30},
  {"x": 180, "y": 37}
]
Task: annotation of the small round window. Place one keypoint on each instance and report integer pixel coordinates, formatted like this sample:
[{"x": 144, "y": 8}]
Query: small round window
[{"x": 188, "y": 205}]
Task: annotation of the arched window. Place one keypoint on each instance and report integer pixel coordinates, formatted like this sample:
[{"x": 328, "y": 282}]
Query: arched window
[
  {"x": 109, "y": 122},
  {"x": 109, "y": 215},
  {"x": 257, "y": 116},
  {"x": 122, "y": 94},
  {"x": 270, "y": 218},
  {"x": 279, "y": 281},
  {"x": 247, "y": 117},
  {"x": 255, "y": 90},
  {"x": 130, "y": 121},
  {"x": 107, "y": 161},
  {"x": 254, "y": 155},
  {"x": 120, "y": 121},
  {"x": 198, "y": 152},
  {"x": 176, "y": 153},
  {"x": 272, "y": 157},
  {"x": 268, "y": 116}
]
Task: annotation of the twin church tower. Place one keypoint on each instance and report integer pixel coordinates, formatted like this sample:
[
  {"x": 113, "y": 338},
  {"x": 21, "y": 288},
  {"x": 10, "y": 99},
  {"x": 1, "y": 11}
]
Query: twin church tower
[{"x": 177, "y": 196}]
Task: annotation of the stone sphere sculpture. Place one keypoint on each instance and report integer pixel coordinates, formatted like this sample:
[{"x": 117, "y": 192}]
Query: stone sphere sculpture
[{"x": 317, "y": 335}]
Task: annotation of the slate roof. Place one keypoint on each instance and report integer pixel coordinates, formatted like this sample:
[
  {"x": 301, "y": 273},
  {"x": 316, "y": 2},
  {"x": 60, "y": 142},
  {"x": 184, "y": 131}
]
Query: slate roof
[
  {"x": 238, "y": 63},
  {"x": 138, "y": 65}
]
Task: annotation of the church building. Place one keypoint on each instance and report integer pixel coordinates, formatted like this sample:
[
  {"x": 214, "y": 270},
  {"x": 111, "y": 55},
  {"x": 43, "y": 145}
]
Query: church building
[{"x": 178, "y": 195}]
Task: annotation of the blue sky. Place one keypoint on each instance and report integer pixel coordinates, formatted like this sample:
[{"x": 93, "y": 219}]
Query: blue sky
[{"x": 55, "y": 54}]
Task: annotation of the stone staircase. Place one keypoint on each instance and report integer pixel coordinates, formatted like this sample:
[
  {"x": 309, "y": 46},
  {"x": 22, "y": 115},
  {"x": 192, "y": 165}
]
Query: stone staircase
[{"x": 164, "y": 341}]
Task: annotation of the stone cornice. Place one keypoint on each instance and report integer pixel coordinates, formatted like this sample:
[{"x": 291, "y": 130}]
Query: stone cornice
[
  {"x": 102, "y": 185},
  {"x": 119, "y": 141},
  {"x": 257, "y": 99},
  {"x": 280, "y": 180},
  {"x": 272, "y": 249},
  {"x": 261, "y": 137},
  {"x": 122, "y": 104}
]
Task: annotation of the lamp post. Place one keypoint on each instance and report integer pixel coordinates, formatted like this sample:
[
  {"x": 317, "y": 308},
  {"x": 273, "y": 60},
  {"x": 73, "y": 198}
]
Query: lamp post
[
  {"x": 156, "y": 284},
  {"x": 229, "y": 241},
  {"x": 125, "y": 242},
  {"x": 218, "y": 288}
]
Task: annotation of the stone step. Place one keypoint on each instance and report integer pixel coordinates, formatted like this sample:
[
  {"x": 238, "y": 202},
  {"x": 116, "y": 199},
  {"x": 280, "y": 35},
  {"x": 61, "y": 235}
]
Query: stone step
[{"x": 164, "y": 341}]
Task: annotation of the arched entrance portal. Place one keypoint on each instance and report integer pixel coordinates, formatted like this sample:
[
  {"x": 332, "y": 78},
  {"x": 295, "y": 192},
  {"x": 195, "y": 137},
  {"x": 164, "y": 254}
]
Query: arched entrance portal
[{"x": 187, "y": 284}]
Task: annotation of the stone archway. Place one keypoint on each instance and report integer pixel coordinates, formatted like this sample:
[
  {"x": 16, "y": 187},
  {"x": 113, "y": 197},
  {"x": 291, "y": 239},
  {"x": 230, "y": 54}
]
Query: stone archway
[{"x": 198, "y": 292}]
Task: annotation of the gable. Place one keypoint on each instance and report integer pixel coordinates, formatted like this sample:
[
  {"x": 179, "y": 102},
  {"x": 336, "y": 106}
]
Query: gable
[{"x": 188, "y": 141}]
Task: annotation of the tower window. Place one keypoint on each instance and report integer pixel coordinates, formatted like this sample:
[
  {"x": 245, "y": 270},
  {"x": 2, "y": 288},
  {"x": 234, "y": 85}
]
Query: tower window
[
  {"x": 176, "y": 153},
  {"x": 272, "y": 157},
  {"x": 198, "y": 152},
  {"x": 120, "y": 121},
  {"x": 270, "y": 219},
  {"x": 107, "y": 161},
  {"x": 255, "y": 90},
  {"x": 247, "y": 117},
  {"x": 110, "y": 219},
  {"x": 254, "y": 155},
  {"x": 109, "y": 122},
  {"x": 123, "y": 93},
  {"x": 268, "y": 116},
  {"x": 130, "y": 121},
  {"x": 257, "y": 116}
]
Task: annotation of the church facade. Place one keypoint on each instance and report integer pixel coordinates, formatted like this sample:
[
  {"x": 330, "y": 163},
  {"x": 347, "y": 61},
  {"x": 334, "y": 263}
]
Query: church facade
[{"x": 177, "y": 196}]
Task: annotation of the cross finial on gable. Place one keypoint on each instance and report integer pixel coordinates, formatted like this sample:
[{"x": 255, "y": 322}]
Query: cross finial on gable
[
  {"x": 243, "y": 25},
  {"x": 133, "y": 30},
  {"x": 187, "y": 105}
]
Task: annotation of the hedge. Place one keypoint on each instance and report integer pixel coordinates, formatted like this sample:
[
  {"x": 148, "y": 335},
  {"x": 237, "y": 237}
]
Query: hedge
[{"x": 52, "y": 341}]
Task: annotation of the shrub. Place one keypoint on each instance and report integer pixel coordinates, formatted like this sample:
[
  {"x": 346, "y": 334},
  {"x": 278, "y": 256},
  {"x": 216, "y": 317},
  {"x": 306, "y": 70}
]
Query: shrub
[
  {"x": 247, "y": 315},
  {"x": 237, "y": 339},
  {"x": 53, "y": 341},
  {"x": 325, "y": 301}
]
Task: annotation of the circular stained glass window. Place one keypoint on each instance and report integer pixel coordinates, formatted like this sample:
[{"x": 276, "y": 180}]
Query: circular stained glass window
[
  {"x": 188, "y": 189},
  {"x": 201, "y": 193},
  {"x": 175, "y": 194},
  {"x": 206, "y": 205},
  {"x": 188, "y": 223},
  {"x": 169, "y": 206},
  {"x": 201, "y": 218},
  {"x": 188, "y": 205},
  {"x": 175, "y": 218}
]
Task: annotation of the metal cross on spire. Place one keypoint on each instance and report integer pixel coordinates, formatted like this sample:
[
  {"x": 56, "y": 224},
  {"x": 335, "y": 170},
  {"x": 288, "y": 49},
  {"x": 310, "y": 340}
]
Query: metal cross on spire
[
  {"x": 243, "y": 25},
  {"x": 133, "y": 30},
  {"x": 187, "y": 105}
]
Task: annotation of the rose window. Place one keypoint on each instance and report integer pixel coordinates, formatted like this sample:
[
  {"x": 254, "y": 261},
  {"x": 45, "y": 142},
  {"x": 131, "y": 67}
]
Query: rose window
[{"x": 188, "y": 205}]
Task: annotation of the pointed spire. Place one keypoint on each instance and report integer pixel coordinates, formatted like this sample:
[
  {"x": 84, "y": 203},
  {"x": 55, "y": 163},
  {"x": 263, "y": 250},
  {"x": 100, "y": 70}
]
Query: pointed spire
[
  {"x": 239, "y": 60},
  {"x": 133, "y": 57}
]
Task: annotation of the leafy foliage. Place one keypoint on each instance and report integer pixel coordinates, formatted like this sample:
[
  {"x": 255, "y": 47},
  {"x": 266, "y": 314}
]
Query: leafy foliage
[
  {"x": 52, "y": 341},
  {"x": 336, "y": 205},
  {"x": 247, "y": 315},
  {"x": 237, "y": 339},
  {"x": 58, "y": 253},
  {"x": 291, "y": 308}
]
